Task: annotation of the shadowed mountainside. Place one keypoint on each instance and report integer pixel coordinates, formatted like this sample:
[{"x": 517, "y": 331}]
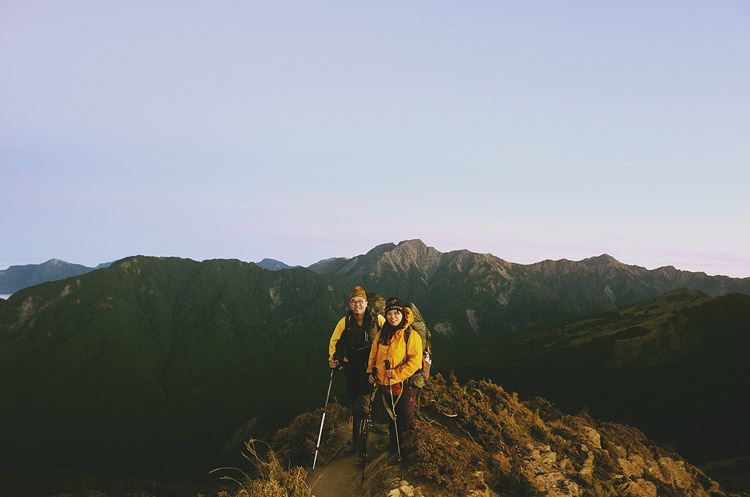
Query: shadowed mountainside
[
  {"x": 675, "y": 366},
  {"x": 157, "y": 359}
]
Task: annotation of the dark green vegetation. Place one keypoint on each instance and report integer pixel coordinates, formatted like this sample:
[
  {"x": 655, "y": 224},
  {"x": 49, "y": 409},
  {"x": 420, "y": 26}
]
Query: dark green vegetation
[
  {"x": 17, "y": 277},
  {"x": 163, "y": 367},
  {"x": 675, "y": 366},
  {"x": 150, "y": 366}
]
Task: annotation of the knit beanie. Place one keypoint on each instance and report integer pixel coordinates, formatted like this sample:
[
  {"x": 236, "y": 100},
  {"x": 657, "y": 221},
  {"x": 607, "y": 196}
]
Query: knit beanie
[
  {"x": 358, "y": 292},
  {"x": 394, "y": 304}
]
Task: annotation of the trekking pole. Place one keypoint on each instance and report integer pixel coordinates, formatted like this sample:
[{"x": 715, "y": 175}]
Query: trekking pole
[
  {"x": 393, "y": 406},
  {"x": 322, "y": 421},
  {"x": 368, "y": 425}
]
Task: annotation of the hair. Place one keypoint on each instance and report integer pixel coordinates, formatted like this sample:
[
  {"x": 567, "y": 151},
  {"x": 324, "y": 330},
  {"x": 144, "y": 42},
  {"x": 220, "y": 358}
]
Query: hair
[{"x": 388, "y": 330}]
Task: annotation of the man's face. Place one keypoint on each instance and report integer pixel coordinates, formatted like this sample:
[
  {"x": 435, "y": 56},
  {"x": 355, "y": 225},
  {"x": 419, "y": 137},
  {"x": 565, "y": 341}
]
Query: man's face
[{"x": 357, "y": 305}]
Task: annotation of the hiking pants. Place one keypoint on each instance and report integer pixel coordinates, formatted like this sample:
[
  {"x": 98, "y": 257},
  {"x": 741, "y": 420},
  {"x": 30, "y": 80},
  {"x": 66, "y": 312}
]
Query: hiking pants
[
  {"x": 358, "y": 387},
  {"x": 404, "y": 411}
]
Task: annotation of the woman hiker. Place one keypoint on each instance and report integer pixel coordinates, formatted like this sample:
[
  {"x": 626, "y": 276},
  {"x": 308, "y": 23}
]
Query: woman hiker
[
  {"x": 350, "y": 347},
  {"x": 404, "y": 358}
]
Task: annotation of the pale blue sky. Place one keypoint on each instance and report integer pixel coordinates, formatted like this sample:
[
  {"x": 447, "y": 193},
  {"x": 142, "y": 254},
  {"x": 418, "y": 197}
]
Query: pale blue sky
[{"x": 305, "y": 130}]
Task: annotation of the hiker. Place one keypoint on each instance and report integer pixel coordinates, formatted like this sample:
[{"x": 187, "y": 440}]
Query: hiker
[
  {"x": 350, "y": 348},
  {"x": 404, "y": 358}
]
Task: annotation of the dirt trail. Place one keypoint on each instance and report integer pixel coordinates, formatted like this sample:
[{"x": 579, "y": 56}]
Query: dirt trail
[{"x": 342, "y": 477}]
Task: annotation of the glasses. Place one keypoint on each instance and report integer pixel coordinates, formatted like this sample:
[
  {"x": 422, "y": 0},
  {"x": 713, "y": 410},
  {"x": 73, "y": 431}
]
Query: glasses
[{"x": 358, "y": 302}]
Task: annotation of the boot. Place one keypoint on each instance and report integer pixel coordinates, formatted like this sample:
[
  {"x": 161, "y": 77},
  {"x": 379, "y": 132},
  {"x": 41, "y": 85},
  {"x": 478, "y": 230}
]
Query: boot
[
  {"x": 408, "y": 441},
  {"x": 358, "y": 426}
]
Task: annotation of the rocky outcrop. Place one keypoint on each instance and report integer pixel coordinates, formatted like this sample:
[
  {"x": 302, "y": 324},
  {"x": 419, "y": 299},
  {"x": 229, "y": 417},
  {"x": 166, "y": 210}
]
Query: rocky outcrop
[
  {"x": 477, "y": 440},
  {"x": 522, "y": 448}
]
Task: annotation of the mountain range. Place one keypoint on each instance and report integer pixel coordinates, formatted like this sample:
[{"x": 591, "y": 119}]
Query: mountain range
[
  {"x": 17, "y": 277},
  {"x": 160, "y": 366}
]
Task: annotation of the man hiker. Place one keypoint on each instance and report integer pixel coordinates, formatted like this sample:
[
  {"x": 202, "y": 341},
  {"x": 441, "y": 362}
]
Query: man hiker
[{"x": 350, "y": 347}]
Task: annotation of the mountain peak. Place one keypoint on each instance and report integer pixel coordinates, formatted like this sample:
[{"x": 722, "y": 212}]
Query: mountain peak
[
  {"x": 601, "y": 260},
  {"x": 273, "y": 264},
  {"x": 380, "y": 249},
  {"x": 412, "y": 253},
  {"x": 413, "y": 243}
]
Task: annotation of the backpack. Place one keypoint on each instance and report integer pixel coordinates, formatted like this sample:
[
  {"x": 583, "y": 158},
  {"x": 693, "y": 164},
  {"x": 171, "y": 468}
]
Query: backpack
[
  {"x": 419, "y": 378},
  {"x": 376, "y": 302}
]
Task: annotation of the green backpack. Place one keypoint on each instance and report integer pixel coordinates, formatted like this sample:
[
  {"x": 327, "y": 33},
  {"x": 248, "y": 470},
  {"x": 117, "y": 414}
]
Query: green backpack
[{"x": 419, "y": 378}]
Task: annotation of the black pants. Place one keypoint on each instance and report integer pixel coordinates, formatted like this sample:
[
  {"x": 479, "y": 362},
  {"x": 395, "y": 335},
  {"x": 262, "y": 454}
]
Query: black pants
[
  {"x": 360, "y": 390},
  {"x": 358, "y": 386}
]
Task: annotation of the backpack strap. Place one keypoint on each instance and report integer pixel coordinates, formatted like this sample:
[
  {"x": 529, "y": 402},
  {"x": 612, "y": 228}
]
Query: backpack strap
[
  {"x": 388, "y": 409},
  {"x": 407, "y": 334}
]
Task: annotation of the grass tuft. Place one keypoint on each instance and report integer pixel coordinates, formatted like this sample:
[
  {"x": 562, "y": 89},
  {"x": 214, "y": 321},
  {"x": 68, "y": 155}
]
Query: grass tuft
[{"x": 270, "y": 478}]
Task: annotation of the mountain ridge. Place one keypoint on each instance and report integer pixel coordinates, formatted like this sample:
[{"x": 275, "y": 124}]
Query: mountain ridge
[
  {"x": 274, "y": 265},
  {"x": 402, "y": 256},
  {"x": 15, "y": 278}
]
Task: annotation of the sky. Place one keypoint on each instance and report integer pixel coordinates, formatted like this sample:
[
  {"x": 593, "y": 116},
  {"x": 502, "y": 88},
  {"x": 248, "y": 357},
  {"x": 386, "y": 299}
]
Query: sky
[{"x": 301, "y": 130}]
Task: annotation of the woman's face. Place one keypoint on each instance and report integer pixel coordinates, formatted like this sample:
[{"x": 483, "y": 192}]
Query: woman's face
[{"x": 394, "y": 317}]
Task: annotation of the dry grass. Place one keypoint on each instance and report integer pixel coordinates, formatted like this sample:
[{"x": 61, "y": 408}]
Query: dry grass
[{"x": 270, "y": 478}]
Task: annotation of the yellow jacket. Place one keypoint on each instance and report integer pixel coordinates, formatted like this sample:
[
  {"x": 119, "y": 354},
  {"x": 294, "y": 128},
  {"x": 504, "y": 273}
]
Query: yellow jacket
[
  {"x": 339, "y": 329},
  {"x": 395, "y": 352}
]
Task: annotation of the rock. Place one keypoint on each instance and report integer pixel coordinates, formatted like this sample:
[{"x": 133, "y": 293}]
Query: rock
[
  {"x": 595, "y": 439},
  {"x": 675, "y": 473},
  {"x": 403, "y": 489},
  {"x": 637, "y": 488},
  {"x": 407, "y": 490},
  {"x": 634, "y": 466},
  {"x": 549, "y": 458},
  {"x": 619, "y": 452},
  {"x": 556, "y": 485},
  {"x": 587, "y": 472},
  {"x": 481, "y": 489}
]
